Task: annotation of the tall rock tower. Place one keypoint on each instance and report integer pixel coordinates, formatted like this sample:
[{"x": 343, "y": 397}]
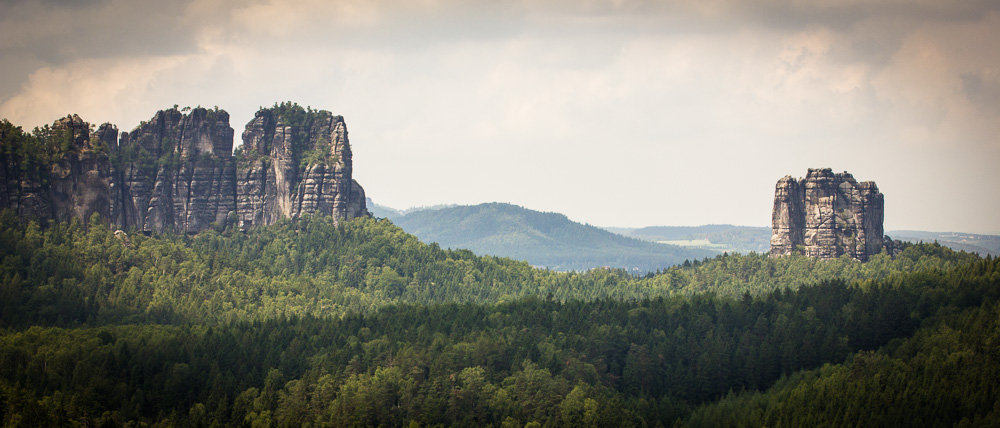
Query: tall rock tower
[
  {"x": 296, "y": 162},
  {"x": 179, "y": 172},
  {"x": 827, "y": 215}
]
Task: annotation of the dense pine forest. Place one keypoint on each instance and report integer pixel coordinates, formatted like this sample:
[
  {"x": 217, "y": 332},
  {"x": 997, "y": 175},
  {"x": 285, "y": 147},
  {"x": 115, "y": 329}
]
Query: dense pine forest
[{"x": 308, "y": 323}]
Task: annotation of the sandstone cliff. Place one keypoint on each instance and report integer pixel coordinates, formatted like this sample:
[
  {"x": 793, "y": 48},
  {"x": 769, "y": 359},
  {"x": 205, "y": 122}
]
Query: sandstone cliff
[
  {"x": 296, "y": 162},
  {"x": 826, "y": 215},
  {"x": 177, "y": 172}
]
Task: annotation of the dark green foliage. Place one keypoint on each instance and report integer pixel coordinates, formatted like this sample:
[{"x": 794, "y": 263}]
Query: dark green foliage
[
  {"x": 308, "y": 323},
  {"x": 66, "y": 274},
  {"x": 947, "y": 374},
  {"x": 28, "y": 158},
  {"x": 599, "y": 363}
]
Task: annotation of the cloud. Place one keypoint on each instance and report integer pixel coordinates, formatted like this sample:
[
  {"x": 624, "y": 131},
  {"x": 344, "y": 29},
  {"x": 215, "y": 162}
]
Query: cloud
[
  {"x": 112, "y": 87},
  {"x": 98, "y": 29},
  {"x": 982, "y": 89},
  {"x": 928, "y": 79},
  {"x": 526, "y": 99}
]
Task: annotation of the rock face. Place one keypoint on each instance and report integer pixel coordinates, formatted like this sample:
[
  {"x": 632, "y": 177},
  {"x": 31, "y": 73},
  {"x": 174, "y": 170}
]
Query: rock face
[
  {"x": 81, "y": 182},
  {"x": 296, "y": 163},
  {"x": 177, "y": 172},
  {"x": 69, "y": 176},
  {"x": 827, "y": 215}
]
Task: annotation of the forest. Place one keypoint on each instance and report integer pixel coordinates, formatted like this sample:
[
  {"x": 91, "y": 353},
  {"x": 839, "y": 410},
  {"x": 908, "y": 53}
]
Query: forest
[{"x": 356, "y": 323}]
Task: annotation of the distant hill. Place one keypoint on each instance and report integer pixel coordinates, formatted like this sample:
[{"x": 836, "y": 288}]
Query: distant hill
[
  {"x": 382, "y": 211},
  {"x": 543, "y": 239},
  {"x": 744, "y": 239},
  {"x": 968, "y": 242},
  {"x": 716, "y": 237},
  {"x": 552, "y": 240}
]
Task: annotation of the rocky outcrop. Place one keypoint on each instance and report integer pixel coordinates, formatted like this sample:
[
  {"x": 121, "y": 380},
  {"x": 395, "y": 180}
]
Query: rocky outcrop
[
  {"x": 80, "y": 181},
  {"x": 296, "y": 162},
  {"x": 62, "y": 174},
  {"x": 827, "y": 215},
  {"x": 177, "y": 172},
  {"x": 23, "y": 174}
]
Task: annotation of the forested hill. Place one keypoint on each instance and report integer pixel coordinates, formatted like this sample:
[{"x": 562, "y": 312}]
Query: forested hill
[
  {"x": 360, "y": 324},
  {"x": 66, "y": 274},
  {"x": 543, "y": 239}
]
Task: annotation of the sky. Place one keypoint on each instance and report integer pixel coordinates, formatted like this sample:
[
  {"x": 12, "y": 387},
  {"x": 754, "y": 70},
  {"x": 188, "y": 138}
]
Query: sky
[{"x": 616, "y": 113}]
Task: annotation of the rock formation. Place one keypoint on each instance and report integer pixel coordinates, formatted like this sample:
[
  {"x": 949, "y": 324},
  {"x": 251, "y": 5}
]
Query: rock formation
[
  {"x": 68, "y": 176},
  {"x": 826, "y": 215},
  {"x": 296, "y": 163},
  {"x": 177, "y": 172}
]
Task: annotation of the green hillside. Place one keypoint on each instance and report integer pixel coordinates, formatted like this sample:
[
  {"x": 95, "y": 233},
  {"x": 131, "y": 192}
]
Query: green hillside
[
  {"x": 945, "y": 374},
  {"x": 66, "y": 274},
  {"x": 360, "y": 324},
  {"x": 543, "y": 239}
]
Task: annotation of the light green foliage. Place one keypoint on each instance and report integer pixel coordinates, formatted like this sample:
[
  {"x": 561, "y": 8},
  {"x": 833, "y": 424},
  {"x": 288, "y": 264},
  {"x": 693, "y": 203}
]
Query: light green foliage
[{"x": 66, "y": 274}]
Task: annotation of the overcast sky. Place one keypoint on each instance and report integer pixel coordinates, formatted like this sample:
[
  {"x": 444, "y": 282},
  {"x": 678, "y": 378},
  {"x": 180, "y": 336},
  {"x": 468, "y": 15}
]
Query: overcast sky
[{"x": 615, "y": 113}]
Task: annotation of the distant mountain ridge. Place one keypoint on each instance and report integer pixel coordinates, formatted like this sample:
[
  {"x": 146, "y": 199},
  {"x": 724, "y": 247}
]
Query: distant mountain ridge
[
  {"x": 543, "y": 239},
  {"x": 968, "y": 242},
  {"x": 382, "y": 211},
  {"x": 744, "y": 239},
  {"x": 552, "y": 240},
  {"x": 718, "y": 237}
]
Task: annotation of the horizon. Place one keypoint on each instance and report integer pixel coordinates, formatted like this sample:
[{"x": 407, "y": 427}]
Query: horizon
[
  {"x": 238, "y": 143},
  {"x": 624, "y": 113},
  {"x": 408, "y": 210}
]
